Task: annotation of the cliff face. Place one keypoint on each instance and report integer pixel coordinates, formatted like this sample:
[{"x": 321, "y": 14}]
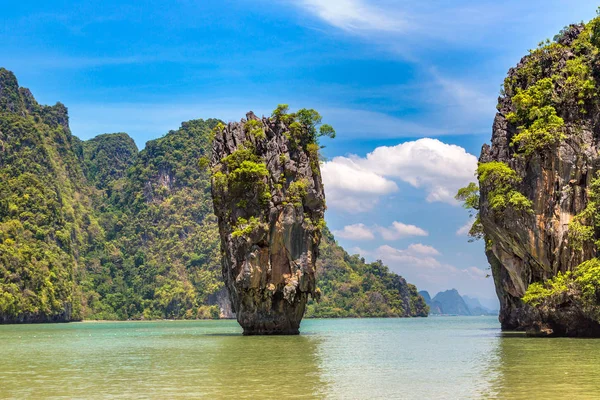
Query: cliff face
[
  {"x": 269, "y": 200},
  {"x": 45, "y": 218},
  {"x": 547, "y": 131}
]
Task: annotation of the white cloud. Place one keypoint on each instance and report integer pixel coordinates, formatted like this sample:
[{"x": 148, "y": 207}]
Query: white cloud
[
  {"x": 350, "y": 187},
  {"x": 399, "y": 230},
  {"x": 420, "y": 248},
  {"x": 355, "y": 232},
  {"x": 356, "y": 183},
  {"x": 391, "y": 255},
  {"x": 440, "y": 168},
  {"x": 355, "y": 15}
]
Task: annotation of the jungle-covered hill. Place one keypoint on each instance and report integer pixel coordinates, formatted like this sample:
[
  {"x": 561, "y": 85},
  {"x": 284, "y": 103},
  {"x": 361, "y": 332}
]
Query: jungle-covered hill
[{"x": 99, "y": 230}]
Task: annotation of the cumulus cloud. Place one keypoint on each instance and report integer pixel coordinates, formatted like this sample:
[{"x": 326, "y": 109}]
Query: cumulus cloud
[
  {"x": 419, "y": 248},
  {"x": 355, "y": 183},
  {"x": 439, "y": 168},
  {"x": 399, "y": 230},
  {"x": 409, "y": 256},
  {"x": 396, "y": 231},
  {"x": 352, "y": 188},
  {"x": 355, "y": 232}
]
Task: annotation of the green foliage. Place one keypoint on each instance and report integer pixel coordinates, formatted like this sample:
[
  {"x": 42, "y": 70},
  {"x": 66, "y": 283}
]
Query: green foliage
[
  {"x": 579, "y": 234},
  {"x": 303, "y": 125},
  {"x": 296, "y": 192},
  {"x": 553, "y": 77},
  {"x": 280, "y": 112},
  {"x": 538, "y": 292},
  {"x": 203, "y": 162},
  {"x": 539, "y": 126},
  {"x": 581, "y": 286},
  {"x": 247, "y": 227},
  {"x": 352, "y": 288},
  {"x": 469, "y": 195},
  {"x": 46, "y": 222},
  {"x": 585, "y": 226},
  {"x": 245, "y": 176},
  {"x": 161, "y": 258},
  {"x": 11, "y": 100},
  {"x": 502, "y": 180},
  {"x": 327, "y": 130},
  {"x": 107, "y": 158},
  {"x": 255, "y": 129},
  {"x": 579, "y": 85}
]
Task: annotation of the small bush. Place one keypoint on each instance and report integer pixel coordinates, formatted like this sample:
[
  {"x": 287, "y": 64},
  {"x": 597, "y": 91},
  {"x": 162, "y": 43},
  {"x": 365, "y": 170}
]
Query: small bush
[
  {"x": 255, "y": 129},
  {"x": 502, "y": 180}
]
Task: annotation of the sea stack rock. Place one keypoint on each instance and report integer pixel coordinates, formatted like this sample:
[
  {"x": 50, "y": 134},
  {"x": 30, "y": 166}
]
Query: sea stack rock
[
  {"x": 269, "y": 200},
  {"x": 539, "y": 188}
]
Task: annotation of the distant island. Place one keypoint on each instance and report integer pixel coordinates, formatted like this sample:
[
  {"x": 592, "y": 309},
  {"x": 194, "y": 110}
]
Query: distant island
[{"x": 450, "y": 302}]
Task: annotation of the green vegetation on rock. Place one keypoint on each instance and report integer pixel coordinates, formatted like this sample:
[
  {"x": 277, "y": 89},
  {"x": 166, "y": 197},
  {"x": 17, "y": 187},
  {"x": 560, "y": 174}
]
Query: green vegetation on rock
[
  {"x": 585, "y": 226},
  {"x": 303, "y": 124},
  {"x": 539, "y": 126},
  {"x": 161, "y": 258},
  {"x": 579, "y": 286},
  {"x": 502, "y": 181},
  {"x": 46, "y": 222}
]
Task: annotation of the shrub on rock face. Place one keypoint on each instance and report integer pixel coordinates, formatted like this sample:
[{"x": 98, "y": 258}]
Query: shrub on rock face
[{"x": 570, "y": 299}]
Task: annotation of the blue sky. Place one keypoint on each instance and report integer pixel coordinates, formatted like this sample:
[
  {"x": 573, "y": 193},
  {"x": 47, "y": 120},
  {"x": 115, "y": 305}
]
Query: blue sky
[{"x": 385, "y": 74}]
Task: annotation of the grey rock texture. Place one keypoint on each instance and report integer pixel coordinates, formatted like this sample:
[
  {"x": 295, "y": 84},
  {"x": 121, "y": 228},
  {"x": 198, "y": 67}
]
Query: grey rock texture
[
  {"x": 532, "y": 247},
  {"x": 269, "y": 268}
]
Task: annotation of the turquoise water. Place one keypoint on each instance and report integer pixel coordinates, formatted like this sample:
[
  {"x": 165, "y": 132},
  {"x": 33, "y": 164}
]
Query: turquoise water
[{"x": 433, "y": 358}]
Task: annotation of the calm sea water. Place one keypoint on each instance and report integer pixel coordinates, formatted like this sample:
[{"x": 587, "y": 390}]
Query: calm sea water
[{"x": 433, "y": 358}]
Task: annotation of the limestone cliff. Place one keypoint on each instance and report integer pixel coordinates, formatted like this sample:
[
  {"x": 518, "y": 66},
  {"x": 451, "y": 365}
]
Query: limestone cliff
[
  {"x": 45, "y": 218},
  {"x": 535, "y": 178},
  {"x": 269, "y": 200}
]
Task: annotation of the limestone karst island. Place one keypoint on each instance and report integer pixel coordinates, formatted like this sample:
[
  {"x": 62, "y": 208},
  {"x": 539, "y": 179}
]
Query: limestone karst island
[{"x": 350, "y": 199}]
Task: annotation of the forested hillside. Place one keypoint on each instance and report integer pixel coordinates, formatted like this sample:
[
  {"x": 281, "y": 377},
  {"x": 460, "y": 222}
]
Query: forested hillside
[
  {"x": 98, "y": 230},
  {"x": 46, "y": 222},
  {"x": 350, "y": 287}
]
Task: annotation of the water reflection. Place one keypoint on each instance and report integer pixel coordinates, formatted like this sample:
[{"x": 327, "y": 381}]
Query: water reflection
[
  {"x": 266, "y": 367},
  {"x": 155, "y": 360},
  {"x": 434, "y": 358},
  {"x": 530, "y": 368}
]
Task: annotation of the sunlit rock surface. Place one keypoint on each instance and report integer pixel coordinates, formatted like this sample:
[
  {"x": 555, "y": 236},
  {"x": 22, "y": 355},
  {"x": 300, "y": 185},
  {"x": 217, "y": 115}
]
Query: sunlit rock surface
[{"x": 269, "y": 200}]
